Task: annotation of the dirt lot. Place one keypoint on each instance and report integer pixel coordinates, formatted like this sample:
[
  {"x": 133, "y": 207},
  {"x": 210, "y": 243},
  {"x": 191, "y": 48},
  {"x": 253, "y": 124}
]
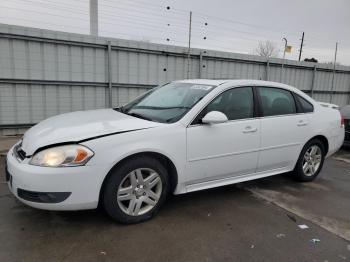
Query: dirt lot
[{"x": 254, "y": 221}]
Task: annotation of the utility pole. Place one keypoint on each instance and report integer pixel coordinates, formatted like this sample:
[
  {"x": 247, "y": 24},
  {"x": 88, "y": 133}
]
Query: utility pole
[
  {"x": 333, "y": 75},
  {"x": 94, "y": 17},
  {"x": 189, "y": 46},
  {"x": 301, "y": 46}
]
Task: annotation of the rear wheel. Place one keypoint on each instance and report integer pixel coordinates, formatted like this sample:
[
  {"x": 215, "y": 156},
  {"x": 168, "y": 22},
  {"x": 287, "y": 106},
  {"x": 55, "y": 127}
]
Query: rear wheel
[
  {"x": 135, "y": 190},
  {"x": 310, "y": 161}
]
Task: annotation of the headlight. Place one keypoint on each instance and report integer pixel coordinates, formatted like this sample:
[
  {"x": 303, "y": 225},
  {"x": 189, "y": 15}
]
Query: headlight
[{"x": 61, "y": 156}]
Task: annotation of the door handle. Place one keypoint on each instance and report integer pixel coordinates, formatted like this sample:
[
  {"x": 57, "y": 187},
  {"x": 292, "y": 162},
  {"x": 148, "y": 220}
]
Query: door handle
[
  {"x": 302, "y": 123},
  {"x": 249, "y": 129}
]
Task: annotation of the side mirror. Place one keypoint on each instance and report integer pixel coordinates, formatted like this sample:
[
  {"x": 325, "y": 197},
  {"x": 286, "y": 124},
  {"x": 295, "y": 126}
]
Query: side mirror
[{"x": 214, "y": 117}]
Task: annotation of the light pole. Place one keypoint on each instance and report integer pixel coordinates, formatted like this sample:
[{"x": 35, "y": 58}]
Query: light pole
[
  {"x": 94, "y": 17},
  {"x": 333, "y": 75},
  {"x": 189, "y": 46},
  {"x": 284, "y": 55}
]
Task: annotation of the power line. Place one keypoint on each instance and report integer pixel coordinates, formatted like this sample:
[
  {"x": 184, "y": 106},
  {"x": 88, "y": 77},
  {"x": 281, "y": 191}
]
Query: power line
[
  {"x": 151, "y": 4},
  {"x": 157, "y": 13},
  {"x": 102, "y": 12},
  {"x": 75, "y": 18},
  {"x": 176, "y": 9},
  {"x": 120, "y": 20},
  {"x": 140, "y": 13},
  {"x": 144, "y": 16},
  {"x": 135, "y": 21}
]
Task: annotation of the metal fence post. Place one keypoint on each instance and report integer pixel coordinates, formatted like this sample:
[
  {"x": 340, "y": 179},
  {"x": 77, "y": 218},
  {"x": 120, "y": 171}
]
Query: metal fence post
[
  {"x": 313, "y": 81},
  {"x": 109, "y": 57},
  {"x": 267, "y": 70},
  {"x": 200, "y": 64},
  {"x": 332, "y": 86}
]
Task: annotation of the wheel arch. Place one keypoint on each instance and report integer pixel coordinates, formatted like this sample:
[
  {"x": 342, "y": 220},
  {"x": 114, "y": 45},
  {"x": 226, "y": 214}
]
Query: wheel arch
[
  {"x": 165, "y": 160},
  {"x": 323, "y": 139}
]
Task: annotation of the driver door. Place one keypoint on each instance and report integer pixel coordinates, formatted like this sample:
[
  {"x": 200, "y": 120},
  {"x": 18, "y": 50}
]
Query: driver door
[{"x": 224, "y": 150}]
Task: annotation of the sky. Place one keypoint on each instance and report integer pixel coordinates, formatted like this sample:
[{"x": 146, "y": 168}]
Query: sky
[{"x": 227, "y": 25}]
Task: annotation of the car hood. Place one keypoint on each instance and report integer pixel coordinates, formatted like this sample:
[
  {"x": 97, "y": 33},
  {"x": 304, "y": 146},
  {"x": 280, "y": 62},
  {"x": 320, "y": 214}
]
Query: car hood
[{"x": 81, "y": 125}]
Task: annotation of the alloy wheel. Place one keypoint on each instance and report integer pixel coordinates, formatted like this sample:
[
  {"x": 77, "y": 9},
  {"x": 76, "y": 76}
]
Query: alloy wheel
[
  {"x": 312, "y": 160},
  {"x": 139, "y": 191}
]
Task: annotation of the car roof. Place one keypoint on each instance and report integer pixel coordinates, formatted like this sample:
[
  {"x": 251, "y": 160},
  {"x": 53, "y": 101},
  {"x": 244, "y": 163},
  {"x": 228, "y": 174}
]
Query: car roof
[
  {"x": 203, "y": 81},
  {"x": 236, "y": 82},
  {"x": 245, "y": 82}
]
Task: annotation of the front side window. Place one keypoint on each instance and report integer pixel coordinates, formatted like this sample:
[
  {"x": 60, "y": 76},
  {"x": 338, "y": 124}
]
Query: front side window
[
  {"x": 167, "y": 103},
  {"x": 276, "y": 101},
  {"x": 236, "y": 103}
]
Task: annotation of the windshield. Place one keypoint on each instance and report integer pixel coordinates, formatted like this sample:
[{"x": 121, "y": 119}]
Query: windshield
[{"x": 167, "y": 103}]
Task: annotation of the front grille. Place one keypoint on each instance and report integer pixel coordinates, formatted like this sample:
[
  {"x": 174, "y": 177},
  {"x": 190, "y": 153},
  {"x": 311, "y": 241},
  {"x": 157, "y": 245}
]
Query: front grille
[
  {"x": 347, "y": 124},
  {"x": 43, "y": 197},
  {"x": 347, "y": 130},
  {"x": 28, "y": 195},
  {"x": 19, "y": 153},
  {"x": 347, "y": 136}
]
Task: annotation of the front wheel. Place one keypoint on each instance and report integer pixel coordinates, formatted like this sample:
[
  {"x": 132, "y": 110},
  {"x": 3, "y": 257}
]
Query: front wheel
[
  {"x": 135, "y": 190},
  {"x": 310, "y": 161}
]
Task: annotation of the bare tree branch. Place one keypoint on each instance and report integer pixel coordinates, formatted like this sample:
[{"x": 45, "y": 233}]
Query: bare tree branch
[{"x": 266, "y": 49}]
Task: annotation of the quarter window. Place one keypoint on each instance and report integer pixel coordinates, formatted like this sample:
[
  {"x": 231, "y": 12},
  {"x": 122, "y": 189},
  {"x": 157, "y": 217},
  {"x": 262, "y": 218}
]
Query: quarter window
[
  {"x": 236, "y": 103},
  {"x": 305, "y": 105},
  {"x": 275, "y": 101}
]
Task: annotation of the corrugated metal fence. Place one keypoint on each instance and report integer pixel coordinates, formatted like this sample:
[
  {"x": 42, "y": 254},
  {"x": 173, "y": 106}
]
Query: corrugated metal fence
[{"x": 44, "y": 73}]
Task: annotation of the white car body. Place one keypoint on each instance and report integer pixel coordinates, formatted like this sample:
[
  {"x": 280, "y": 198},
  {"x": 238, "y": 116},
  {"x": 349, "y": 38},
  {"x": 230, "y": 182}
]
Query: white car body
[{"x": 204, "y": 156}]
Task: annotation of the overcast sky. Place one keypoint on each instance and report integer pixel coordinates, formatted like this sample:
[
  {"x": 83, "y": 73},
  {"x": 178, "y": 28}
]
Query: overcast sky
[{"x": 235, "y": 26}]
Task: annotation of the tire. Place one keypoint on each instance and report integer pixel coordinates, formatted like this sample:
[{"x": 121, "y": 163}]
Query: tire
[
  {"x": 309, "y": 173},
  {"x": 127, "y": 196}
]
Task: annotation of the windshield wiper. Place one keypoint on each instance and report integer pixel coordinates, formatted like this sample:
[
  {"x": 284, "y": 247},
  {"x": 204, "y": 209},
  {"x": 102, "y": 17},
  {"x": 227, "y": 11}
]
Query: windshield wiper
[
  {"x": 175, "y": 107},
  {"x": 119, "y": 109},
  {"x": 139, "y": 116},
  {"x": 162, "y": 108}
]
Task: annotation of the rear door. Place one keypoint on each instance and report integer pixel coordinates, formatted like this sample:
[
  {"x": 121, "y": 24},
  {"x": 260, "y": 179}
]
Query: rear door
[
  {"x": 227, "y": 149},
  {"x": 283, "y": 129}
]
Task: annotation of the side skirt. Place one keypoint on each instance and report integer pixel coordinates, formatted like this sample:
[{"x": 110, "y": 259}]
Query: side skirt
[{"x": 234, "y": 180}]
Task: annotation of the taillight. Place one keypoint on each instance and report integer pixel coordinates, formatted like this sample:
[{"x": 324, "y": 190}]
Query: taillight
[{"x": 342, "y": 121}]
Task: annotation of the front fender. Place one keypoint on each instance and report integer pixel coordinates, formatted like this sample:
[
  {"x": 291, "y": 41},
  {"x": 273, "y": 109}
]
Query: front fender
[{"x": 170, "y": 142}]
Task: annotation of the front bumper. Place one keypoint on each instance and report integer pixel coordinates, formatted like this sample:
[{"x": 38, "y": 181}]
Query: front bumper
[
  {"x": 347, "y": 137},
  {"x": 65, "y": 188}
]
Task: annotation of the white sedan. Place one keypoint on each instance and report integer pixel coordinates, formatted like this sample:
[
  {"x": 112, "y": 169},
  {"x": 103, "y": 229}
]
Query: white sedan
[{"x": 181, "y": 137}]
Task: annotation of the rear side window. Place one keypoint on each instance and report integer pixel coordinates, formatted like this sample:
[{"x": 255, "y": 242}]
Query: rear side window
[
  {"x": 275, "y": 101},
  {"x": 305, "y": 105}
]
